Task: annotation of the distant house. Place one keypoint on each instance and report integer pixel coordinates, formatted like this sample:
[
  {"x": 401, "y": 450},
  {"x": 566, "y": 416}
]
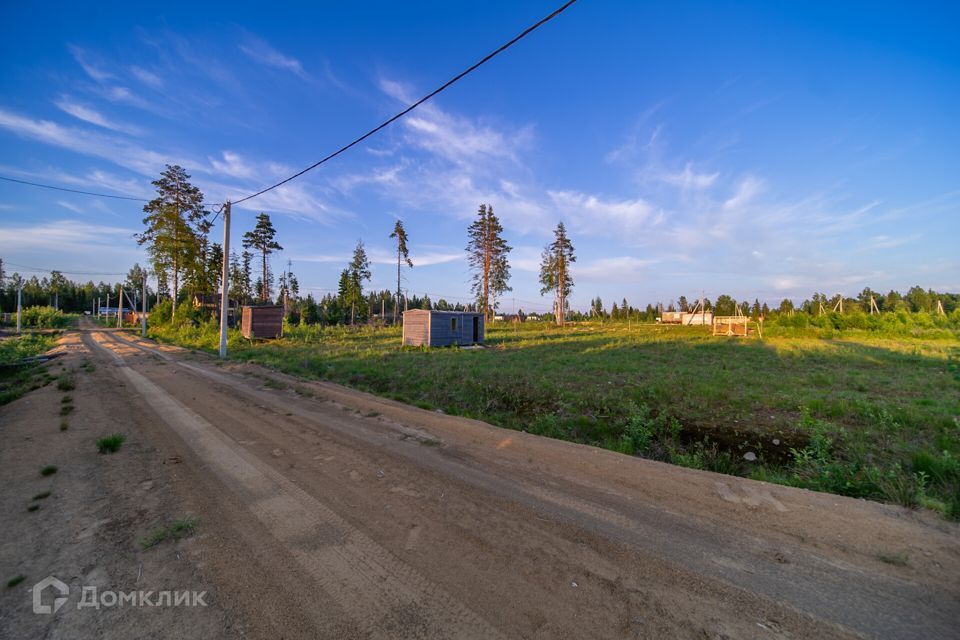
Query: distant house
[{"x": 442, "y": 328}]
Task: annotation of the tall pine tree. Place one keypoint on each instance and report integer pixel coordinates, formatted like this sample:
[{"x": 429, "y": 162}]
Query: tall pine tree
[
  {"x": 487, "y": 256},
  {"x": 261, "y": 240},
  {"x": 176, "y": 221},
  {"x": 555, "y": 271},
  {"x": 403, "y": 255}
]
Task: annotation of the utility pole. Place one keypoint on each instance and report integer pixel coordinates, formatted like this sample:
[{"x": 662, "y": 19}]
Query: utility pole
[
  {"x": 119, "y": 306},
  {"x": 143, "y": 305},
  {"x": 225, "y": 281},
  {"x": 19, "y": 296},
  {"x": 108, "y": 304}
]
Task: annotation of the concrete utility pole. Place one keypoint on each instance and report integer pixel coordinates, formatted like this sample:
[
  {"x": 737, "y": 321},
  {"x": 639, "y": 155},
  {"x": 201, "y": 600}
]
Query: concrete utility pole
[
  {"x": 108, "y": 305},
  {"x": 225, "y": 281},
  {"x": 119, "y": 306},
  {"x": 19, "y": 295},
  {"x": 143, "y": 306}
]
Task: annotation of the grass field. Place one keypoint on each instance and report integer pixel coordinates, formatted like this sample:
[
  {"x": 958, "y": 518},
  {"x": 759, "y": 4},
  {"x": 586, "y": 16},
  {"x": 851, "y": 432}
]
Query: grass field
[
  {"x": 16, "y": 379},
  {"x": 853, "y": 413}
]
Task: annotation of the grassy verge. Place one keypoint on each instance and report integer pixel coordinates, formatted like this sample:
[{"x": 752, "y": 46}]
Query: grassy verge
[
  {"x": 17, "y": 379},
  {"x": 854, "y": 412},
  {"x": 177, "y": 529}
]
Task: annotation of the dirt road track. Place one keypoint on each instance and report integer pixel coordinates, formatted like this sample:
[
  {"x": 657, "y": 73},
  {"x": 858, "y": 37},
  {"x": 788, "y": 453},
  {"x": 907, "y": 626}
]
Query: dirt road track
[{"x": 355, "y": 516}]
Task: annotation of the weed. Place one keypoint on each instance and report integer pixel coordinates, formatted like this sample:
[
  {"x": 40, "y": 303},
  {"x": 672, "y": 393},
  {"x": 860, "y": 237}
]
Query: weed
[
  {"x": 42, "y": 496},
  {"x": 430, "y": 442},
  {"x": 65, "y": 382},
  {"x": 33, "y": 507},
  {"x": 111, "y": 444},
  {"x": 12, "y": 582},
  {"x": 900, "y": 559},
  {"x": 67, "y": 399},
  {"x": 89, "y": 367},
  {"x": 272, "y": 383},
  {"x": 177, "y": 529},
  {"x": 48, "y": 470},
  {"x": 66, "y": 409},
  {"x": 64, "y": 425}
]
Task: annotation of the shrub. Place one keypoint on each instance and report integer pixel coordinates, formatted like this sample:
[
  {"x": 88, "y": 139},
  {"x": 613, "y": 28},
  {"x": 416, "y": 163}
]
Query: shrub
[{"x": 111, "y": 444}]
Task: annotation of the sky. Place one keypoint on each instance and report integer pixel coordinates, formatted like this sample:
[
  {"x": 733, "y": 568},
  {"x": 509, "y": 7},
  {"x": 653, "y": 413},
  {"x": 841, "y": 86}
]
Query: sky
[{"x": 760, "y": 149}]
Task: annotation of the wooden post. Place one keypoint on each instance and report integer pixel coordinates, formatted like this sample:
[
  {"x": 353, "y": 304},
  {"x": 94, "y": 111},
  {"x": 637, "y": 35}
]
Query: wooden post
[
  {"x": 143, "y": 306},
  {"x": 225, "y": 280},
  {"x": 19, "y": 296}
]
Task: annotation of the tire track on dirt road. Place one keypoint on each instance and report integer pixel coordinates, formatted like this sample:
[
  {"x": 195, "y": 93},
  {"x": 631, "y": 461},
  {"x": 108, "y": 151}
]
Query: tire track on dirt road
[
  {"x": 384, "y": 597},
  {"x": 750, "y": 564},
  {"x": 828, "y": 588}
]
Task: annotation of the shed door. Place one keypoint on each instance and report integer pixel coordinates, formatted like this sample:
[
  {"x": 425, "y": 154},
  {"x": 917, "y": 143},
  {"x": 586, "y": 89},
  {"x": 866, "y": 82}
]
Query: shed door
[{"x": 476, "y": 329}]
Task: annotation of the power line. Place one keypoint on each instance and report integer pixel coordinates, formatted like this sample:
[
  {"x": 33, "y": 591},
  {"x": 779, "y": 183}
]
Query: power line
[
  {"x": 72, "y": 273},
  {"x": 416, "y": 104},
  {"x": 85, "y": 193}
]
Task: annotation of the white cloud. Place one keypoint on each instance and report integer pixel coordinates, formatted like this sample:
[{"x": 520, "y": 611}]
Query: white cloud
[
  {"x": 622, "y": 269},
  {"x": 263, "y": 53},
  {"x": 689, "y": 179},
  {"x": 70, "y": 236},
  {"x": 232, "y": 165},
  {"x": 146, "y": 77},
  {"x": 88, "y": 114},
  {"x": 593, "y": 215},
  {"x": 749, "y": 188},
  {"x": 120, "y": 152},
  {"x": 92, "y": 70},
  {"x": 71, "y": 207}
]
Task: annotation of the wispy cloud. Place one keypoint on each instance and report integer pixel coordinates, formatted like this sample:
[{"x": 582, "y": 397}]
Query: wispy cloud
[
  {"x": 147, "y": 77},
  {"x": 621, "y": 269},
  {"x": 71, "y": 207},
  {"x": 749, "y": 188},
  {"x": 120, "y": 152},
  {"x": 91, "y": 115},
  {"x": 258, "y": 50},
  {"x": 689, "y": 179},
  {"x": 69, "y": 236},
  {"x": 593, "y": 215},
  {"x": 90, "y": 68}
]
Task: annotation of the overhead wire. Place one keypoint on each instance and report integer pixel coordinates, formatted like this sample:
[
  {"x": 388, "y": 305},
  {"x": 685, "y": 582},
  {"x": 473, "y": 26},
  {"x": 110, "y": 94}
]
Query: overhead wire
[
  {"x": 416, "y": 104},
  {"x": 72, "y": 273},
  {"x": 86, "y": 193}
]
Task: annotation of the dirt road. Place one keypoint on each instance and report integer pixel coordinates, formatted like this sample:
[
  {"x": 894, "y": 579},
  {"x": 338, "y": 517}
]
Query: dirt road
[{"x": 325, "y": 512}]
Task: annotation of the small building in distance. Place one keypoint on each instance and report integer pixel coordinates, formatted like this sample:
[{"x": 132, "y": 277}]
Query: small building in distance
[
  {"x": 442, "y": 328},
  {"x": 686, "y": 318},
  {"x": 262, "y": 322}
]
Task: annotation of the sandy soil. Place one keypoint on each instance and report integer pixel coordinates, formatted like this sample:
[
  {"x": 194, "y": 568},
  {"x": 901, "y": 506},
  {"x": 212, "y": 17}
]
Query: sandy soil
[{"x": 325, "y": 512}]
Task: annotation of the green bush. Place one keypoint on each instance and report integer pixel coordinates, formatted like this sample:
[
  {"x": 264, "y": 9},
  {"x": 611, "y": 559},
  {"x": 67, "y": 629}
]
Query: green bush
[{"x": 44, "y": 318}]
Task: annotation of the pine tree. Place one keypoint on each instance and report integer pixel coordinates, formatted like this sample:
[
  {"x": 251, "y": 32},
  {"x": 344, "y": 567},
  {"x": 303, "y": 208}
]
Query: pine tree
[
  {"x": 175, "y": 221},
  {"x": 357, "y": 272},
  {"x": 403, "y": 255},
  {"x": 487, "y": 256},
  {"x": 555, "y": 271},
  {"x": 262, "y": 240}
]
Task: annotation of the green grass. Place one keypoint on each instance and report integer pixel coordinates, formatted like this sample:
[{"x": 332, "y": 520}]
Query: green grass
[
  {"x": 65, "y": 382},
  {"x": 869, "y": 413},
  {"x": 15, "y": 379},
  {"x": 66, "y": 409},
  {"x": 177, "y": 529},
  {"x": 48, "y": 470},
  {"x": 111, "y": 444},
  {"x": 14, "y": 581}
]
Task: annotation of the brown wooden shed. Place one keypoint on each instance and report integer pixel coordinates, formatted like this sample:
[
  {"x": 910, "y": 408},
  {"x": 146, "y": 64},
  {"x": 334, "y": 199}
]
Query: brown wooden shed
[
  {"x": 262, "y": 322},
  {"x": 442, "y": 328}
]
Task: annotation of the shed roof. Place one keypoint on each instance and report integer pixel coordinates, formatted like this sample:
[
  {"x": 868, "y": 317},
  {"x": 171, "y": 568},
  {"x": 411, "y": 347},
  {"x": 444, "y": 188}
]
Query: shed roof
[{"x": 448, "y": 313}]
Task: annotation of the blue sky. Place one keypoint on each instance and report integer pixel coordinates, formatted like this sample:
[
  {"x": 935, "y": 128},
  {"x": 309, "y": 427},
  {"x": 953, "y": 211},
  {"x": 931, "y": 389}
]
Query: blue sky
[{"x": 765, "y": 150}]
